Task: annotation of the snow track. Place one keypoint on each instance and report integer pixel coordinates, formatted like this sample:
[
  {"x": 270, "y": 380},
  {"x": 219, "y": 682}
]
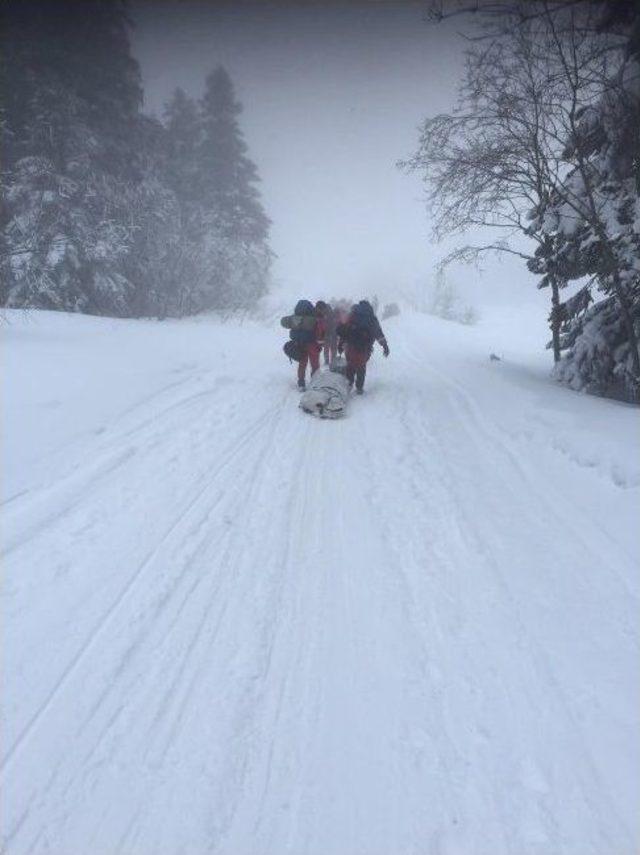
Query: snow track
[{"x": 231, "y": 628}]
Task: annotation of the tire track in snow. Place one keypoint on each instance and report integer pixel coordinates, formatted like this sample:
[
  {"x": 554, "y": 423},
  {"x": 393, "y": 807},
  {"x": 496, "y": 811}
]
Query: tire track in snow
[
  {"x": 230, "y": 453},
  {"x": 299, "y": 791},
  {"x": 224, "y": 708},
  {"x": 63, "y": 449},
  {"x": 585, "y": 768},
  {"x": 545, "y": 492},
  {"x": 190, "y": 666},
  {"x": 218, "y": 595},
  {"x": 415, "y": 552},
  {"x": 484, "y": 450},
  {"x": 69, "y": 492},
  {"x": 219, "y": 638}
]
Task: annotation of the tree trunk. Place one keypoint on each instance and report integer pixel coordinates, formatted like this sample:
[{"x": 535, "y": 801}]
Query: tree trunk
[{"x": 555, "y": 317}]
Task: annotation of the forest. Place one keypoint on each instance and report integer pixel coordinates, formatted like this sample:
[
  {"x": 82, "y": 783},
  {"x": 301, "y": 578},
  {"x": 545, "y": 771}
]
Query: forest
[{"x": 106, "y": 210}]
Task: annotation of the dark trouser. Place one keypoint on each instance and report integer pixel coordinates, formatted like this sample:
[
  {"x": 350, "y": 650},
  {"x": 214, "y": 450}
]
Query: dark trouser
[
  {"x": 356, "y": 365},
  {"x": 311, "y": 354},
  {"x": 356, "y": 373}
]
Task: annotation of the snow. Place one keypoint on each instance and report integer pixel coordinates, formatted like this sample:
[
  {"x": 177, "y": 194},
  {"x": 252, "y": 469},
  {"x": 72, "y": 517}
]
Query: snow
[{"x": 232, "y": 628}]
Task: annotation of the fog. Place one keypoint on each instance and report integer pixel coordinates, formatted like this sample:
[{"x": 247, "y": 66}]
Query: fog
[{"x": 333, "y": 95}]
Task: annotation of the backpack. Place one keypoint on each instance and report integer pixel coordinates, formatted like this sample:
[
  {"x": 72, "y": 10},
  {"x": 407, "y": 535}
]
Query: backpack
[
  {"x": 298, "y": 322},
  {"x": 304, "y": 307},
  {"x": 361, "y": 327},
  {"x": 302, "y": 323},
  {"x": 293, "y": 349}
]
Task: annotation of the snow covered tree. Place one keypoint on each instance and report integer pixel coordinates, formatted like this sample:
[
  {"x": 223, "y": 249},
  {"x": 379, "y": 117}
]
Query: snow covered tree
[
  {"x": 443, "y": 297},
  {"x": 182, "y": 124},
  {"x": 225, "y": 249},
  {"x": 150, "y": 210},
  {"x": 62, "y": 253},
  {"x": 592, "y": 218},
  {"x": 237, "y": 250},
  {"x": 223, "y": 221},
  {"x": 229, "y": 181},
  {"x": 227, "y": 176},
  {"x": 183, "y": 130},
  {"x": 70, "y": 101},
  {"x": 445, "y": 302},
  {"x": 108, "y": 211},
  {"x": 496, "y": 156},
  {"x": 544, "y": 144}
]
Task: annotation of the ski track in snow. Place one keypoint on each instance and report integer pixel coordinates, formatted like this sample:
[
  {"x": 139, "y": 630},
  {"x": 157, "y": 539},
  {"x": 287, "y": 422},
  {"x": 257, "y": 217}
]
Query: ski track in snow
[{"x": 250, "y": 631}]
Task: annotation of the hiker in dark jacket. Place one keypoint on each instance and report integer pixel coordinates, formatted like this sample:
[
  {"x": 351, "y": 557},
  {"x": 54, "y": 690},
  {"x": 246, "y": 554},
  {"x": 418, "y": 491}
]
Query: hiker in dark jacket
[
  {"x": 356, "y": 338},
  {"x": 310, "y": 337}
]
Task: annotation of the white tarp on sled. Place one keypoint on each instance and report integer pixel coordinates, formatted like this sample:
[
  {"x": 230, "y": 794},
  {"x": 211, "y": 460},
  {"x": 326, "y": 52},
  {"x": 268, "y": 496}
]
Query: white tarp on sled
[{"x": 326, "y": 396}]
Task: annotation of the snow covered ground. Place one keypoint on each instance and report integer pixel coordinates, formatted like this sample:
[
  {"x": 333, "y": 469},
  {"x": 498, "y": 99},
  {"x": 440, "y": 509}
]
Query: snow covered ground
[{"x": 229, "y": 627}]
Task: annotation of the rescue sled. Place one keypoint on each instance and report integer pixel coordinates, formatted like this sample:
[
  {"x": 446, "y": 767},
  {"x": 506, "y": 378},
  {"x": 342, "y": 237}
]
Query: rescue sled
[
  {"x": 326, "y": 395},
  {"x": 338, "y": 365}
]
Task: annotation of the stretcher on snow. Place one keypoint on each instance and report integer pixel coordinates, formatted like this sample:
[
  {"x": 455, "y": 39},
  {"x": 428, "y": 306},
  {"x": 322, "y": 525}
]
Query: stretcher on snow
[{"x": 327, "y": 394}]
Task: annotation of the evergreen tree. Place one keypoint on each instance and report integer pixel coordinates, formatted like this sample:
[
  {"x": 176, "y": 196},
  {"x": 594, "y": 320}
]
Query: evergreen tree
[
  {"x": 182, "y": 124},
  {"x": 227, "y": 176},
  {"x": 225, "y": 257},
  {"x": 108, "y": 211},
  {"x": 70, "y": 106},
  {"x": 593, "y": 225},
  {"x": 151, "y": 209}
]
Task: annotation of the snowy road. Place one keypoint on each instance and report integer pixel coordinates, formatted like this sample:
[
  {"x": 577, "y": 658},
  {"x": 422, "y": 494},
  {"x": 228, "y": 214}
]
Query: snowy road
[{"x": 232, "y": 628}]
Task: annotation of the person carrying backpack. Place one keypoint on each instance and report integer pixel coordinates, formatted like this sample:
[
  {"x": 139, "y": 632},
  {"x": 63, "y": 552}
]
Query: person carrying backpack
[
  {"x": 328, "y": 319},
  {"x": 307, "y": 334},
  {"x": 356, "y": 337}
]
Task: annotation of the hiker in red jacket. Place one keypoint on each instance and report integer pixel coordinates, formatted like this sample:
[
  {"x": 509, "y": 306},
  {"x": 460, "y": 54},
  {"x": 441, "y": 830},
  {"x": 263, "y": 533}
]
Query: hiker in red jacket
[
  {"x": 327, "y": 317},
  {"x": 356, "y": 338},
  {"x": 310, "y": 338}
]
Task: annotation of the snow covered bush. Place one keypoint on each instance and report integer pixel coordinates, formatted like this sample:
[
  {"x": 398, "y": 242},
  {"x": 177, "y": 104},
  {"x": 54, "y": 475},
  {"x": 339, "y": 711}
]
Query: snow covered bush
[
  {"x": 444, "y": 302},
  {"x": 598, "y": 356},
  {"x": 390, "y": 310}
]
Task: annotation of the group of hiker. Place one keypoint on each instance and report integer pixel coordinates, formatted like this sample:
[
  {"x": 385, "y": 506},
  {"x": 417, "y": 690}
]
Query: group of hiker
[{"x": 334, "y": 329}]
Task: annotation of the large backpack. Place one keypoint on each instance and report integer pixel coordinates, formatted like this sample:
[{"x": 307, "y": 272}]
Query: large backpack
[
  {"x": 304, "y": 332},
  {"x": 304, "y": 307},
  {"x": 362, "y": 327},
  {"x": 293, "y": 350},
  {"x": 302, "y": 336},
  {"x": 298, "y": 322}
]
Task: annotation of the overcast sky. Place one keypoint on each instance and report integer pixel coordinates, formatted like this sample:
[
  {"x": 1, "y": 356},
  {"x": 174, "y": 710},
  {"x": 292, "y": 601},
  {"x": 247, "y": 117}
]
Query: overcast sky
[{"x": 333, "y": 94}]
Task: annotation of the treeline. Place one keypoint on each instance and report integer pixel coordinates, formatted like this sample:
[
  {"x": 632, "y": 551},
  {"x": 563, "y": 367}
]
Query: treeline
[
  {"x": 544, "y": 146},
  {"x": 106, "y": 210}
]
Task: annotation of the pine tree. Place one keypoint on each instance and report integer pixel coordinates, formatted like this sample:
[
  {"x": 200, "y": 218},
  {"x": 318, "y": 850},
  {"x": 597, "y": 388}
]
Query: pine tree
[
  {"x": 107, "y": 211},
  {"x": 225, "y": 229},
  {"x": 151, "y": 209},
  {"x": 182, "y": 124},
  {"x": 228, "y": 177},
  {"x": 70, "y": 107}
]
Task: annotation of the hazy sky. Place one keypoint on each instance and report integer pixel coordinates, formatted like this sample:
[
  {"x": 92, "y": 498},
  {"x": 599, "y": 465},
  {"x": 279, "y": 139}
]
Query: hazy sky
[{"x": 333, "y": 94}]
